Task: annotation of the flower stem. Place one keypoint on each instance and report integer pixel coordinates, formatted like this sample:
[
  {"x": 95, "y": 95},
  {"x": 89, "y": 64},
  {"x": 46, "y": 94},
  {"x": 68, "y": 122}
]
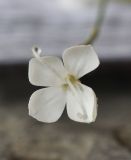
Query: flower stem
[{"x": 98, "y": 23}]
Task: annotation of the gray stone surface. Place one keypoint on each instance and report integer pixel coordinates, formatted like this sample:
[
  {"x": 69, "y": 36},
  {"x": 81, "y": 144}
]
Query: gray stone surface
[
  {"x": 124, "y": 135},
  {"x": 23, "y": 138}
]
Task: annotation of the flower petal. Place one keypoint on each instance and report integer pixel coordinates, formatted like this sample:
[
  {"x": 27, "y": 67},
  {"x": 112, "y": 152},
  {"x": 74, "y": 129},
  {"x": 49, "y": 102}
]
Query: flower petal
[
  {"x": 46, "y": 71},
  {"x": 47, "y": 105},
  {"x": 80, "y": 60},
  {"x": 83, "y": 106}
]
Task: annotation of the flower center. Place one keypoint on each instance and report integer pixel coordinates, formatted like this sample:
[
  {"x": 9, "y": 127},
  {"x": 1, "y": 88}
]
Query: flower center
[{"x": 71, "y": 81}]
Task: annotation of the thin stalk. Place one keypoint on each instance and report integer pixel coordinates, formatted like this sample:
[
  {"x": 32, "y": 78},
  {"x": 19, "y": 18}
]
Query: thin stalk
[{"x": 98, "y": 23}]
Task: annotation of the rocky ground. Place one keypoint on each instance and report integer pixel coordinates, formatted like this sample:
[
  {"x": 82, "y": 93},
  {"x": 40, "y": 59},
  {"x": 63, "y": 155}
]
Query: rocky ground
[{"x": 109, "y": 138}]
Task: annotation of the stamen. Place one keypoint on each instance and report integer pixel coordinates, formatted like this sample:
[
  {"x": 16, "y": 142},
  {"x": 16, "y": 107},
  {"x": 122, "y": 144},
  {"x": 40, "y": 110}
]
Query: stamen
[
  {"x": 65, "y": 87},
  {"x": 72, "y": 79},
  {"x": 71, "y": 86}
]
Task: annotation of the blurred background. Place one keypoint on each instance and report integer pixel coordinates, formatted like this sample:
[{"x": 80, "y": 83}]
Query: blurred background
[{"x": 55, "y": 25}]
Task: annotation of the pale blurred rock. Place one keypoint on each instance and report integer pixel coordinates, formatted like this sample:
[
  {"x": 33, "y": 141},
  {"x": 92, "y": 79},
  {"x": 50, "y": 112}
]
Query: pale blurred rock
[
  {"x": 124, "y": 136},
  {"x": 23, "y": 138}
]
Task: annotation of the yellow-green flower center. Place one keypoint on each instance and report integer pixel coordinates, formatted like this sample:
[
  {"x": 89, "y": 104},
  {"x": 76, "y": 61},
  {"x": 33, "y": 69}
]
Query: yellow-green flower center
[{"x": 70, "y": 79}]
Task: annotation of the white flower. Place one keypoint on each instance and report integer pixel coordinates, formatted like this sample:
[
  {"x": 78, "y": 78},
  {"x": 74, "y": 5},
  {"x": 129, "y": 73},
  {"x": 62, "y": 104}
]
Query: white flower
[{"x": 63, "y": 86}]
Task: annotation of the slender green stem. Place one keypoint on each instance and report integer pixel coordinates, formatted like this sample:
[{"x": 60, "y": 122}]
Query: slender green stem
[{"x": 99, "y": 21}]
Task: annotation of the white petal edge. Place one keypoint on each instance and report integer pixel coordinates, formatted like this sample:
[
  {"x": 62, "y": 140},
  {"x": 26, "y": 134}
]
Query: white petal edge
[
  {"x": 80, "y": 60},
  {"x": 85, "y": 98},
  {"x": 46, "y": 71},
  {"x": 47, "y": 105}
]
